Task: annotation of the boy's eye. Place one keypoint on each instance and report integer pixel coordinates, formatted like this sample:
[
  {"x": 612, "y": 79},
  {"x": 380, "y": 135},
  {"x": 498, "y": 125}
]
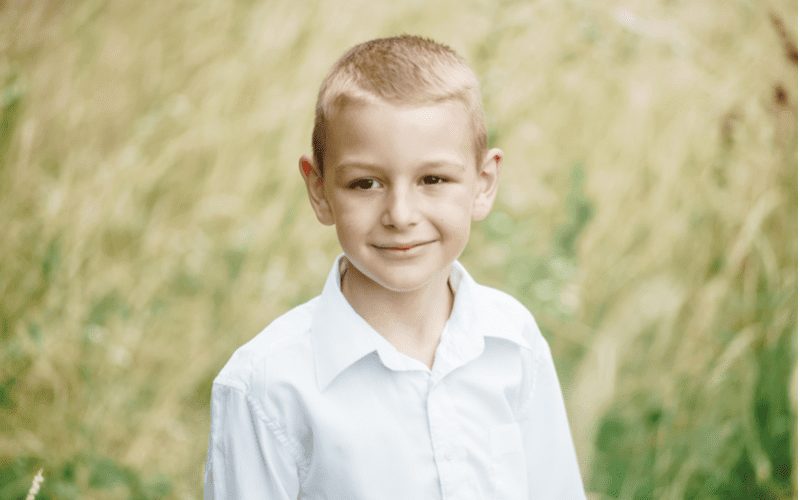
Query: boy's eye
[
  {"x": 433, "y": 179},
  {"x": 364, "y": 184}
]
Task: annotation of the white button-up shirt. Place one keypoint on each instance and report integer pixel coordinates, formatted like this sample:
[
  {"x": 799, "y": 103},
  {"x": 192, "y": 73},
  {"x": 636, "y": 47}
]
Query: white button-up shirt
[{"x": 320, "y": 406}]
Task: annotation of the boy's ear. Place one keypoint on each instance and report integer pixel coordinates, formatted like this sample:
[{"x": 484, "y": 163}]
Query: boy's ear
[
  {"x": 488, "y": 176},
  {"x": 316, "y": 190}
]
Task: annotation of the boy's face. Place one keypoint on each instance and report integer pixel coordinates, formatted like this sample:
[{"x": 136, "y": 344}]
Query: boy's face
[{"x": 401, "y": 185}]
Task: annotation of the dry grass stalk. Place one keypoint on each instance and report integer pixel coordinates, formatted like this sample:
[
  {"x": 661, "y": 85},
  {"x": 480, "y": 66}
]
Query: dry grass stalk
[{"x": 38, "y": 479}]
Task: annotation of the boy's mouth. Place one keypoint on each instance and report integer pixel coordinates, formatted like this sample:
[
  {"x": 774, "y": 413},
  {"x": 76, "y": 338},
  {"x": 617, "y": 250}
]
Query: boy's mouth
[{"x": 401, "y": 247}]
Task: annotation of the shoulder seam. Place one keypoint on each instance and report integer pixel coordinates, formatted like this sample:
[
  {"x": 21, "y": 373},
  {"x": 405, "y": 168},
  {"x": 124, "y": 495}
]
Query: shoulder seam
[
  {"x": 525, "y": 403},
  {"x": 294, "y": 448}
]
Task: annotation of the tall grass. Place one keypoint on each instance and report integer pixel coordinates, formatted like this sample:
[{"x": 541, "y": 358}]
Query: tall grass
[{"x": 153, "y": 221}]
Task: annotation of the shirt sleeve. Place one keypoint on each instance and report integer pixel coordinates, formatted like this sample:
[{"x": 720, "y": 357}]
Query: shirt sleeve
[
  {"x": 552, "y": 464},
  {"x": 248, "y": 457}
]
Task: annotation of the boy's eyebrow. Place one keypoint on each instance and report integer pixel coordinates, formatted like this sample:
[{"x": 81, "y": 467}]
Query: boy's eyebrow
[
  {"x": 444, "y": 162},
  {"x": 355, "y": 164}
]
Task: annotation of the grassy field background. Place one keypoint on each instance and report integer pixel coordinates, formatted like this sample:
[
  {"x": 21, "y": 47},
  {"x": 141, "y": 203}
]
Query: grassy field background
[{"x": 153, "y": 220}]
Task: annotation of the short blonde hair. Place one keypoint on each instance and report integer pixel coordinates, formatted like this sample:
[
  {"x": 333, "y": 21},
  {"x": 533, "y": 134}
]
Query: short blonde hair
[{"x": 404, "y": 69}]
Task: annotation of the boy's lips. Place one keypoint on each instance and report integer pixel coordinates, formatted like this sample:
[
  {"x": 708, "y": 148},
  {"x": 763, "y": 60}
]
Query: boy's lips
[{"x": 402, "y": 247}]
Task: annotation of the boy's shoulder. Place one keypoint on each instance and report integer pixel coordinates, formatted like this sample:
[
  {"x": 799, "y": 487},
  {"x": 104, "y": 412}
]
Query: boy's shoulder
[
  {"x": 282, "y": 347},
  {"x": 502, "y": 302},
  {"x": 500, "y": 312},
  {"x": 505, "y": 311}
]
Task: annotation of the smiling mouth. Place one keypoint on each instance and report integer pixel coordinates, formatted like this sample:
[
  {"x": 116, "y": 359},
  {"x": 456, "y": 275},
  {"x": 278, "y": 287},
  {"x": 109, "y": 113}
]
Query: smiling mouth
[{"x": 404, "y": 247}]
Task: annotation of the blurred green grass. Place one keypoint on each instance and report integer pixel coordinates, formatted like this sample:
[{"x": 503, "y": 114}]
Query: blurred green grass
[{"x": 153, "y": 221}]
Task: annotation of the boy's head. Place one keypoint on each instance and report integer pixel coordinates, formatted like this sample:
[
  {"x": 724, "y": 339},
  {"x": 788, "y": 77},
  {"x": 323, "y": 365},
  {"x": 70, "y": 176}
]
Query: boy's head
[
  {"x": 401, "y": 166},
  {"x": 406, "y": 70}
]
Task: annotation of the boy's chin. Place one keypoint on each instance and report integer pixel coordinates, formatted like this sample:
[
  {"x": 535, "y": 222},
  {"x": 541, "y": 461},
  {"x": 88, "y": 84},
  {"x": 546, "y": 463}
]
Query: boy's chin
[{"x": 397, "y": 280}]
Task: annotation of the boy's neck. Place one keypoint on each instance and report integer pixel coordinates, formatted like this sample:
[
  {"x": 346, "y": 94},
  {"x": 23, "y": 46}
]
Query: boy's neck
[{"x": 411, "y": 321}]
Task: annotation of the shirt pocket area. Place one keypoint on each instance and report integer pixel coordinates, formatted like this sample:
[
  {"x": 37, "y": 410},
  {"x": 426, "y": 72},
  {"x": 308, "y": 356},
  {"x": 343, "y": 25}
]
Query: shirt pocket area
[
  {"x": 505, "y": 438},
  {"x": 507, "y": 455}
]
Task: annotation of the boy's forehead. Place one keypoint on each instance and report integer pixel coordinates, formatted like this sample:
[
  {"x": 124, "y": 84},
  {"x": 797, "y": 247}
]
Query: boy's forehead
[
  {"x": 363, "y": 116},
  {"x": 439, "y": 129}
]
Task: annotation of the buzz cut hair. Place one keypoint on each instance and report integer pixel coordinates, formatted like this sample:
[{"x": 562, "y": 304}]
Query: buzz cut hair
[{"x": 402, "y": 70}]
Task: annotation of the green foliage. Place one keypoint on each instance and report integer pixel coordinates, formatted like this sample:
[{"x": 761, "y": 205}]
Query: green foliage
[{"x": 80, "y": 476}]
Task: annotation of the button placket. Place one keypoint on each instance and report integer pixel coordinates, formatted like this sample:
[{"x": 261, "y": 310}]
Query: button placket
[{"x": 443, "y": 429}]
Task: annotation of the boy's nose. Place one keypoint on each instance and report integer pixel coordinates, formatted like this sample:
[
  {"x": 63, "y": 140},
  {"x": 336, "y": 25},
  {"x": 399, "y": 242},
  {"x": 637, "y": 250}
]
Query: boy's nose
[{"x": 401, "y": 209}]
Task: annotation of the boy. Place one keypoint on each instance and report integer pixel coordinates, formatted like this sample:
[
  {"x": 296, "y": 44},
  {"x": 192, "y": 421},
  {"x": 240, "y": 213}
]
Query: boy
[{"x": 404, "y": 379}]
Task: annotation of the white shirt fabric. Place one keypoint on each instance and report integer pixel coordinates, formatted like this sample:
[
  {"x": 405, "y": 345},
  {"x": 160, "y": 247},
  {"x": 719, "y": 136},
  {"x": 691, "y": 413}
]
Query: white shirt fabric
[{"x": 320, "y": 406}]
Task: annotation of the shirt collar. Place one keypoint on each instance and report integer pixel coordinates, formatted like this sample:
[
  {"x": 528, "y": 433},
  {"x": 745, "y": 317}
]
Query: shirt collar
[{"x": 340, "y": 336}]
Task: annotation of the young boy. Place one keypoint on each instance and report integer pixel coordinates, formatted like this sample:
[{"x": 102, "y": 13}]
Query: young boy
[{"x": 404, "y": 379}]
